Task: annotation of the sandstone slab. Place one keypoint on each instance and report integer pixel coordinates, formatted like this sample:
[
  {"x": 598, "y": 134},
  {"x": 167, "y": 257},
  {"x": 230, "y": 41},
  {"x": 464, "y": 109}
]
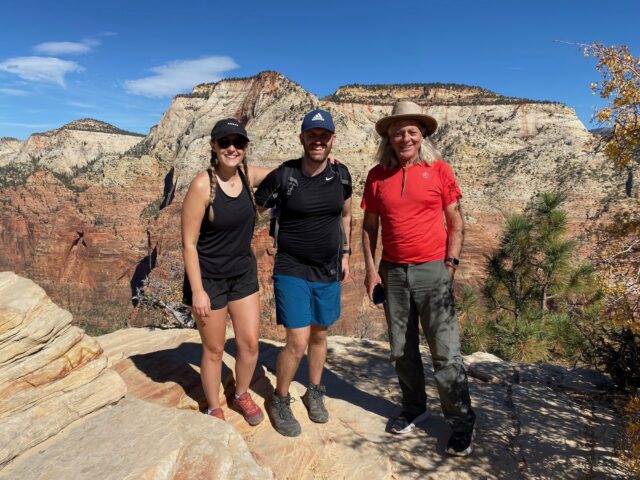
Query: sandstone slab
[
  {"x": 137, "y": 440},
  {"x": 51, "y": 373},
  {"x": 524, "y": 430}
]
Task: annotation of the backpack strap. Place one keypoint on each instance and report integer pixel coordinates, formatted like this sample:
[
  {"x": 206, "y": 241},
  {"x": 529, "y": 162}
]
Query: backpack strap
[
  {"x": 288, "y": 183},
  {"x": 345, "y": 183}
]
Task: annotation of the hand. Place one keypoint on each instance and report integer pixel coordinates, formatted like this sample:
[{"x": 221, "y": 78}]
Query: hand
[
  {"x": 371, "y": 279},
  {"x": 201, "y": 303},
  {"x": 332, "y": 160},
  {"x": 346, "y": 271},
  {"x": 452, "y": 271}
]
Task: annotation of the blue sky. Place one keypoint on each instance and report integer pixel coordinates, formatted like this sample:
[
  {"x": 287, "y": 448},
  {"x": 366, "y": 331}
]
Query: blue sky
[{"x": 122, "y": 61}]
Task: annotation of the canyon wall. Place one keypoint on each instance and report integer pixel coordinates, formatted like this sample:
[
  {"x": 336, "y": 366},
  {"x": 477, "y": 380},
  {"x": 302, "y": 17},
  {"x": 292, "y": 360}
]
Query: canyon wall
[{"x": 88, "y": 210}]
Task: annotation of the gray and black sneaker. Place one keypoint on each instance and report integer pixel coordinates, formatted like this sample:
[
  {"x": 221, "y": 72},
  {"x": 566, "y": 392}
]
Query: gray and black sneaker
[
  {"x": 460, "y": 444},
  {"x": 283, "y": 420},
  {"x": 313, "y": 399},
  {"x": 405, "y": 422}
]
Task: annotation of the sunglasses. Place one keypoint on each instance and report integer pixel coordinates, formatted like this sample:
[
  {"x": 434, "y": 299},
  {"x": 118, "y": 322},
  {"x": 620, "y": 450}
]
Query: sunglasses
[{"x": 239, "y": 142}]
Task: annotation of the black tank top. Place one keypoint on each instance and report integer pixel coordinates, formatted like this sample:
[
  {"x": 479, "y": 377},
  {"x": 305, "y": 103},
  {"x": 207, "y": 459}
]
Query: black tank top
[{"x": 224, "y": 246}]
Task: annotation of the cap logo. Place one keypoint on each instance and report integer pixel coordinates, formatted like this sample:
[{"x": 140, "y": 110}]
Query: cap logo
[
  {"x": 233, "y": 124},
  {"x": 318, "y": 118}
]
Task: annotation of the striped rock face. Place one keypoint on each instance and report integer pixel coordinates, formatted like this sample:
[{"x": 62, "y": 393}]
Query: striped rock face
[{"x": 63, "y": 415}]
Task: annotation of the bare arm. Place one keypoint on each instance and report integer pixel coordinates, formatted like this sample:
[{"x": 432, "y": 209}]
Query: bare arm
[
  {"x": 370, "y": 227},
  {"x": 257, "y": 174},
  {"x": 193, "y": 208},
  {"x": 346, "y": 241},
  {"x": 455, "y": 231}
]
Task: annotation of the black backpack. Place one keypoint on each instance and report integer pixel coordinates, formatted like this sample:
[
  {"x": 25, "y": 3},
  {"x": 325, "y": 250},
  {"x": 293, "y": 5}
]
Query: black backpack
[{"x": 288, "y": 183}]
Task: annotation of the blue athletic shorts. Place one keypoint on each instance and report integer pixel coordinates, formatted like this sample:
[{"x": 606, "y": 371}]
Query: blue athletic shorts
[{"x": 300, "y": 303}]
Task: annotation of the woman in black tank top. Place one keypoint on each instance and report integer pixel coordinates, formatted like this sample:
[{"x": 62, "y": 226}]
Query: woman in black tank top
[{"x": 218, "y": 215}]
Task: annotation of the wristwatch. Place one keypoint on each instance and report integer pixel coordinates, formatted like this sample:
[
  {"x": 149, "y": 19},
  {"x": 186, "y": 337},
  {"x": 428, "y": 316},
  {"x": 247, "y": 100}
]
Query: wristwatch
[
  {"x": 452, "y": 262},
  {"x": 346, "y": 251}
]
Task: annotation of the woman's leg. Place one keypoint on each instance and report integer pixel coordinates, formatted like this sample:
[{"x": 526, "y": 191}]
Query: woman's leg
[
  {"x": 212, "y": 333},
  {"x": 245, "y": 315}
]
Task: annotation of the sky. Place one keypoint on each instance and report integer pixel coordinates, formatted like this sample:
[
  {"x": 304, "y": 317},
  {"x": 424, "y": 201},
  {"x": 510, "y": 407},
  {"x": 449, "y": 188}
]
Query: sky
[{"x": 122, "y": 61}]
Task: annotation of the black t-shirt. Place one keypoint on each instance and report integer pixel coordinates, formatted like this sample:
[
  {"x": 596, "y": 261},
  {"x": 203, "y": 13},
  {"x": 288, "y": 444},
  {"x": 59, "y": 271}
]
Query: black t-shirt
[
  {"x": 309, "y": 241},
  {"x": 224, "y": 246}
]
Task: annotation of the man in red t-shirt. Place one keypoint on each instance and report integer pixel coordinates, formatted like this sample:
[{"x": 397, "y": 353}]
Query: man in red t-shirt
[{"x": 413, "y": 197}]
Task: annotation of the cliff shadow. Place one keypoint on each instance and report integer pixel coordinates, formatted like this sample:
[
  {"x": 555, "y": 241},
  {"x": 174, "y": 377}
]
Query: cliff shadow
[
  {"x": 337, "y": 387},
  {"x": 177, "y": 366},
  {"x": 169, "y": 189}
]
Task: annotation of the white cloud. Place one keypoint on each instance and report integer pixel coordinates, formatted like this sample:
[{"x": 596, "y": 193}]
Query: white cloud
[
  {"x": 64, "y": 48},
  {"x": 14, "y": 92},
  {"x": 82, "y": 105},
  {"x": 180, "y": 75},
  {"x": 40, "y": 69}
]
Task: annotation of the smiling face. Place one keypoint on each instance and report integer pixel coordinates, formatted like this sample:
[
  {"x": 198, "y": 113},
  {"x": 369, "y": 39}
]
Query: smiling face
[
  {"x": 230, "y": 150},
  {"x": 405, "y": 137},
  {"x": 317, "y": 143}
]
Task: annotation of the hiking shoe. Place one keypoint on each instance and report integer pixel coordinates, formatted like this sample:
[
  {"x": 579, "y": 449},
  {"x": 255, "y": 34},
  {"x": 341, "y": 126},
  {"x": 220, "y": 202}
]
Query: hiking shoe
[
  {"x": 459, "y": 444},
  {"x": 283, "y": 420},
  {"x": 216, "y": 412},
  {"x": 245, "y": 405},
  {"x": 405, "y": 422},
  {"x": 313, "y": 399}
]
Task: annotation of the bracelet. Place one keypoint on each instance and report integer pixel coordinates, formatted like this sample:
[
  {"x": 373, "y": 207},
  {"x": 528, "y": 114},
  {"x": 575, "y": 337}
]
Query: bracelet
[
  {"x": 346, "y": 251},
  {"x": 452, "y": 262}
]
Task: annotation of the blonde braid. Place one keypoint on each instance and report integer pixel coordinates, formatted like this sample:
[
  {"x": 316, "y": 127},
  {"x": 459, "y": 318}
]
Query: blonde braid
[
  {"x": 247, "y": 181},
  {"x": 211, "y": 170}
]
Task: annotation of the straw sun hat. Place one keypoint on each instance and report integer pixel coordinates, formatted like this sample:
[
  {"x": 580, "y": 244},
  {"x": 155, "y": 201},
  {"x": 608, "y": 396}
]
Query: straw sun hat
[{"x": 405, "y": 110}]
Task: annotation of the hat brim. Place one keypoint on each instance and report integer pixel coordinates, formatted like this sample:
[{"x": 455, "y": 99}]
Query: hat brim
[{"x": 430, "y": 124}]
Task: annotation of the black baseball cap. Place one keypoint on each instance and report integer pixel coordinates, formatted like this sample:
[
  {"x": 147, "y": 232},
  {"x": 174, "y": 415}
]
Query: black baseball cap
[{"x": 228, "y": 126}]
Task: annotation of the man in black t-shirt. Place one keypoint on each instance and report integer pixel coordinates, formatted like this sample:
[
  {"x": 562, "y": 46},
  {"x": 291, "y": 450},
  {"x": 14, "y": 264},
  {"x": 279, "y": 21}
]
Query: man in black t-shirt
[{"x": 313, "y": 198}]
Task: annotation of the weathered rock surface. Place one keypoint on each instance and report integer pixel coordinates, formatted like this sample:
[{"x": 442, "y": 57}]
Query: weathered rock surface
[
  {"x": 51, "y": 373},
  {"x": 92, "y": 235},
  {"x": 137, "y": 440},
  {"x": 55, "y": 419},
  {"x": 530, "y": 425}
]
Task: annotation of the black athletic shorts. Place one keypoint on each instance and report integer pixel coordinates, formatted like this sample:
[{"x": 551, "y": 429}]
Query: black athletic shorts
[{"x": 224, "y": 290}]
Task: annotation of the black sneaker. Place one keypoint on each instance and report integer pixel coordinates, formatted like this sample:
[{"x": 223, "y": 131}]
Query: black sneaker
[
  {"x": 283, "y": 420},
  {"x": 313, "y": 399},
  {"x": 459, "y": 444},
  {"x": 405, "y": 422}
]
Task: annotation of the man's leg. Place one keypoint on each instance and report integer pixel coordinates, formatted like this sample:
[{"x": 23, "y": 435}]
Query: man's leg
[
  {"x": 289, "y": 358},
  {"x": 441, "y": 329},
  {"x": 313, "y": 398},
  {"x": 402, "y": 322},
  {"x": 317, "y": 353},
  {"x": 293, "y": 310}
]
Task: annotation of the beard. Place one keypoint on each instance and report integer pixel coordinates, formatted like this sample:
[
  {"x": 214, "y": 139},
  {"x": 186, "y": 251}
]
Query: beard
[{"x": 316, "y": 156}]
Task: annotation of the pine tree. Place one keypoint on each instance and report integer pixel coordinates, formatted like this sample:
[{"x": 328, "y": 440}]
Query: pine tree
[{"x": 534, "y": 286}]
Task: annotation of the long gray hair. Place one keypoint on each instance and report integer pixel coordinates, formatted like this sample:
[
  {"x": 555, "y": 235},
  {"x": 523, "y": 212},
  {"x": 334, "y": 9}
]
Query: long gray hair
[{"x": 386, "y": 157}]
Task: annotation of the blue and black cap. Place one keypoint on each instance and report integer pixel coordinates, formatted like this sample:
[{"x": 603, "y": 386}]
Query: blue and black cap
[{"x": 318, "y": 119}]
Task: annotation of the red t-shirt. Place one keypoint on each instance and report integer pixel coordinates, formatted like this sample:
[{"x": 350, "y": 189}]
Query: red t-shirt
[{"x": 413, "y": 225}]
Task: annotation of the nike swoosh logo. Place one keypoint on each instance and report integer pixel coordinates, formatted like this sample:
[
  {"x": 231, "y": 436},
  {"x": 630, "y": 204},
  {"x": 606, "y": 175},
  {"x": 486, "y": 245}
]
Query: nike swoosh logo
[{"x": 328, "y": 178}]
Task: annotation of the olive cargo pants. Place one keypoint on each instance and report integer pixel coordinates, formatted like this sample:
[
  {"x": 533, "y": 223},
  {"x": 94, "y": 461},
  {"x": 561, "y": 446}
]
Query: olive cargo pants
[{"x": 423, "y": 293}]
